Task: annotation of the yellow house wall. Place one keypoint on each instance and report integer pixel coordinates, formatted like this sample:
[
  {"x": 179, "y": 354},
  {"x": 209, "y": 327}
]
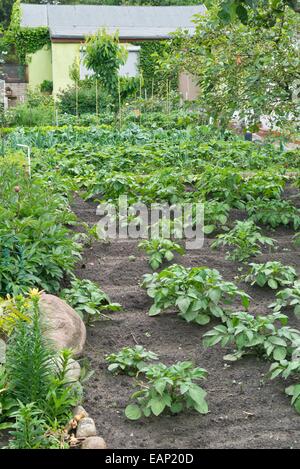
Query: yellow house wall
[
  {"x": 39, "y": 67},
  {"x": 63, "y": 56}
]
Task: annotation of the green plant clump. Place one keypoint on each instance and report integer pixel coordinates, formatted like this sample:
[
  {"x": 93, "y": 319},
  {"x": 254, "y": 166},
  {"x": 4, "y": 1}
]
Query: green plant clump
[
  {"x": 245, "y": 238},
  {"x": 198, "y": 293},
  {"x": 130, "y": 361},
  {"x": 171, "y": 388},
  {"x": 159, "y": 250},
  {"x": 273, "y": 274},
  {"x": 88, "y": 300}
]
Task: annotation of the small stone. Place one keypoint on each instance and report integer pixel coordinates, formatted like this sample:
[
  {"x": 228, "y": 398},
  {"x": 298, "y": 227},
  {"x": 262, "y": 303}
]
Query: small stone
[
  {"x": 94, "y": 442},
  {"x": 86, "y": 427},
  {"x": 79, "y": 410}
]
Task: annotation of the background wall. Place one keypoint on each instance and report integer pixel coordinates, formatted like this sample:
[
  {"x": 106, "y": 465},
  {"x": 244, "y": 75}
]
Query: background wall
[
  {"x": 40, "y": 67},
  {"x": 63, "y": 56}
]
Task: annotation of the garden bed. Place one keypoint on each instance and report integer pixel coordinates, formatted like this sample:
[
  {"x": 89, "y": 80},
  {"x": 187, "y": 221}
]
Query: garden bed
[{"x": 245, "y": 410}]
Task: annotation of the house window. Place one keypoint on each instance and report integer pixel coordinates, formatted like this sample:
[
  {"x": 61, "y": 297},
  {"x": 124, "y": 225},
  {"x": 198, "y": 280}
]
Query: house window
[{"x": 129, "y": 69}]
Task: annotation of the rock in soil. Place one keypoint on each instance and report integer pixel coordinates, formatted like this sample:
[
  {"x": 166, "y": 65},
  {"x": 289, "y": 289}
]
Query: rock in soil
[
  {"x": 79, "y": 410},
  {"x": 94, "y": 442},
  {"x": 86, "y": 427},
  {"x": 63, "y": 326}
]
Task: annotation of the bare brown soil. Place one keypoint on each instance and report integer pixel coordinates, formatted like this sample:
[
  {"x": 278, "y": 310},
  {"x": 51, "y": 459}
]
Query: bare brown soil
[{"x": 245, "y": 410}]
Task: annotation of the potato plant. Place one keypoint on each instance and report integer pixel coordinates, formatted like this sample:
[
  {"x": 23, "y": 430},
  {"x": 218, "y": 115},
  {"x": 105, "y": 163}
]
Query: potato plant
[
  {"x": 88, "y": 300},
  {"x": 170, "y": 388},
  {"x": 130, "y": 360},
  {"x": 160, "y": 250},
  {"x": 245, "y": 239},
  {"x": 274, "y": 213},
  {"x": 259, "y": 335},
  {"x": 198, "y": 293},
  {"x": 272, "y": 274},
  {"x": 289, "y": 297},
  {"x": 215, "y": 216}
]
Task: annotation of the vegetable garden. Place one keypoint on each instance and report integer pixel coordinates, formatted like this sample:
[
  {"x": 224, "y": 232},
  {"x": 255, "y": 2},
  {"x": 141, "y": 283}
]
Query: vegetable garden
[{"x": 188, "y": 348}]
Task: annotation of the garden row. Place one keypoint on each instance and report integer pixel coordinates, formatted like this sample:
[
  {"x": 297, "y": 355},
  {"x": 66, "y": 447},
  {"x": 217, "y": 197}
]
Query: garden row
[{"x": 40, "y": 250}]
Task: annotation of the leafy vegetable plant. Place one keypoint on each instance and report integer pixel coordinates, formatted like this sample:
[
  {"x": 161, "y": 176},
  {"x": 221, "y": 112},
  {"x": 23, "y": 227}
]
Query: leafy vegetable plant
[
  {"x": 159, "y": 250},
  {"x": 288, "y": 297},
  {"x": 274, "y": 274},
  {"x": 88, "y": 300},
  {"x": 245, "y": 238},
  {"x": 130, "y": 360},
  {"x": 274, "y": 213},
  {"x": 215, "y": 215},
  {"x": 171, "y": 388},
  {"x": 199, "y": 293},
  {"x": 252, "y": 334}
]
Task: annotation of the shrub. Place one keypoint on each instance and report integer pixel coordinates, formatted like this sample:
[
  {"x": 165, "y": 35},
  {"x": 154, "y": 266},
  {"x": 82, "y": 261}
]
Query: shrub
[
  {"x": 46, "y": 86},
  {"x": 35, "y": 246}
]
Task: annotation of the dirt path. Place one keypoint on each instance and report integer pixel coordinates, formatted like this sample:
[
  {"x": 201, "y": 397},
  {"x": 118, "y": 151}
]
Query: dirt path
[{"x": 245, "y": 412}]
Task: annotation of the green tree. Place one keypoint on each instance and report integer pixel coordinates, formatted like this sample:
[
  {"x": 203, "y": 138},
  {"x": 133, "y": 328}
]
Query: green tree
[
  {"x": 264, "y": 12},
  {"x": 104, "y": 56},
  {"x": 247, "y": 68}
]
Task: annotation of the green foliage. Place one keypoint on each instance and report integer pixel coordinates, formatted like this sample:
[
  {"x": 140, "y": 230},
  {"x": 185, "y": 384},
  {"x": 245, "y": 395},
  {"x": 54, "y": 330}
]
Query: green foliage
[
  {"x": 273, "y": 274},
  {"x": 199, "y": 293},
  {"x": 36, "y": 248},
  {"x": 260, "y": 12},
  {"x": 274, "y": 213},
  {"x": 245, "y": 238},
  {"x": 250, "y": 334},
  {"x": 168, "y": 388},
  {"x": 261, "y": 60},
  {"x": 289, "y": 297},
  {"x": 46, "y": 86},
  {"x": 29, "y": 429},
  {"x": 104, "y": 56},
  {"x": 86, "y": 95},
  {"x": 215, "y": 216},
  {"x": 88, "y": 300},
  {"x": 160, "y": 250},
  {"x": 26, "y": 40},
  {"x": 28, "y": 361},
  {"x": 130, "y": 361},
  {"x": 12, "y": 310},
  {"x": 62, "y": 395},
  {"x": 7, "y": 402}
]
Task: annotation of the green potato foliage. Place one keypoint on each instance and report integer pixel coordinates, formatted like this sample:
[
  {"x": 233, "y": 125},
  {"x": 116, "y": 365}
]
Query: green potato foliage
[
  {"x": 272, "y": 274},
  {"x": 245, "y": 239},
  {"x": 130, "y": 360},
  {"x": 160, "y": 250},
  {"x": 198, "y": 293},
  {"x": 168, "y": 388},
  {"x": 88, "y": 300}
]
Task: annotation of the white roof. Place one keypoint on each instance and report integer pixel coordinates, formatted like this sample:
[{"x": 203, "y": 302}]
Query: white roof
[{"x": 78, "y": 21}]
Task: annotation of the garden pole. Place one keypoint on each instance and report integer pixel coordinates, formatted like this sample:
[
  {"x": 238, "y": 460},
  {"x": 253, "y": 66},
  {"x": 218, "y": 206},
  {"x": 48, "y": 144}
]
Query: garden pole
[
  {"x": 28, "y": 157},
  {"x": 97, "y": 111}
]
